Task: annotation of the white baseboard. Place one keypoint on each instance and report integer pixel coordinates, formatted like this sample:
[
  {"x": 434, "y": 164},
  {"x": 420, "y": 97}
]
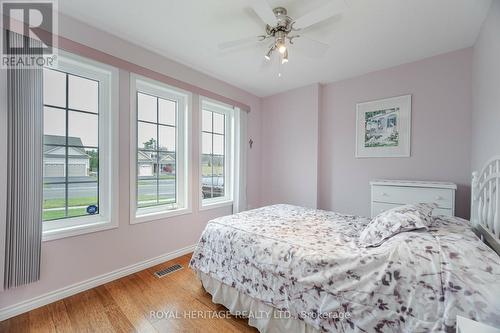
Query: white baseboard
[{"x": 50, "y": 297}]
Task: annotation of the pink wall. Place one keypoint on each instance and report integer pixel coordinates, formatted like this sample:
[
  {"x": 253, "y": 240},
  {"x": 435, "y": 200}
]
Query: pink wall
[
  {"x": 441, "y": 87},
  {"x": 294, "y": 123},
  {"x": 486, "y": 115},
  {"x": 290, "y": 147},
  {"x": 72, "y": 260}
]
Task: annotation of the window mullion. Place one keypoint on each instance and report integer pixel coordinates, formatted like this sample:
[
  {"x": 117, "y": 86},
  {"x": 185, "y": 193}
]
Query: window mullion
[
  {"x": 224, "y": 152},
  {"x": 136, "y": 150},
  {"x": 175, "y": 152},
  {"x": 212, "y": 157},
  {"x": 157, "y": 151},
  {"x": 66, "y": 178},
  {"x": 98, "y": 150}
]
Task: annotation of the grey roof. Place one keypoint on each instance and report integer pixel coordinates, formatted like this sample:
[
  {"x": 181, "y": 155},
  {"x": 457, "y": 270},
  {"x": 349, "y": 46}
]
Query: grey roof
[{"x": 61, "y": 141}]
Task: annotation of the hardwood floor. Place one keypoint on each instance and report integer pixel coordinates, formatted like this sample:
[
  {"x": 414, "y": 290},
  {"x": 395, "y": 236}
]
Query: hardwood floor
[{"x": 125, "y": 305}]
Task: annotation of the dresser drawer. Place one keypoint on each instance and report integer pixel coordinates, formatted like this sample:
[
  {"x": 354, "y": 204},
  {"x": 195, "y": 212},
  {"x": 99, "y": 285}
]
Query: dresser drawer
[
  {"x": 402, "y": 195},
  {"x": 379, "y": 207}
]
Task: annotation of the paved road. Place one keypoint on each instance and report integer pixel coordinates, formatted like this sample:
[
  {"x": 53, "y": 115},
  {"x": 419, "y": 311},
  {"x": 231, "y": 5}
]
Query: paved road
[
  {"x": 167, "y": 188},
  {"x": 146, "y": 187}
]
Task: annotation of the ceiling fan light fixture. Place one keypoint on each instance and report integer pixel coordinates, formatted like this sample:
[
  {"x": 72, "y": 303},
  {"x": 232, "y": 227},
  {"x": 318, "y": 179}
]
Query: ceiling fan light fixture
[
  {"x": 268, "y": 54},
  {"x": 280, "y": 43},
  {"x": 284, "y": 60},
  {"x": 282, "y": 48}
]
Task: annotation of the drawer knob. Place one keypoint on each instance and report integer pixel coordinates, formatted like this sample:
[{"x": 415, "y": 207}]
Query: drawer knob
[
  {"x": 439, "y": 197},
  {"x": 384, "y": 194}
]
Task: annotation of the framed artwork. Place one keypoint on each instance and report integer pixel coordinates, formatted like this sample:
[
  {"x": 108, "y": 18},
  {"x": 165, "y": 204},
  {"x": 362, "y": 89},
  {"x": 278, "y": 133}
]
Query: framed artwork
[{"x": 383, "y": 127}]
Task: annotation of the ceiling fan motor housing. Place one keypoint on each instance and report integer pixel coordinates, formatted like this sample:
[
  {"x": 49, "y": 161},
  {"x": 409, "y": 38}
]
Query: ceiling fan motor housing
[{"x": 283, "y": 25}]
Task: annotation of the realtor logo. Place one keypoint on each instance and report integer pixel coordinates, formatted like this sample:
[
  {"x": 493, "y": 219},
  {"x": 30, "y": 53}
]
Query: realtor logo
[{"x": 28, "y": 36}]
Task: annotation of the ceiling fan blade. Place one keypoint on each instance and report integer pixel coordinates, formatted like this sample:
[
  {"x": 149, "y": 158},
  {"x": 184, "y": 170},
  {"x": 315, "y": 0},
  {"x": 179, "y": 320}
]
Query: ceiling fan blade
[
  {"x": 240, "y": 42},
  {"x": 309, "y": 47},
  {"x": 333, "y": 8},
  {"x": 264, "y": 11}
]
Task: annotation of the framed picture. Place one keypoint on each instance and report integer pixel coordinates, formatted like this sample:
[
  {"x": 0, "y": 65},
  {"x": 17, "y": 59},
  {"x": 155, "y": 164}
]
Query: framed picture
[{"x": 383, "y": 127}]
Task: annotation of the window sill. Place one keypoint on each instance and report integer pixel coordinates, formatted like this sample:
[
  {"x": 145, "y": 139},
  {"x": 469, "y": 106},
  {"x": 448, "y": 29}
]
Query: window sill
[
  {"x": 54, "y": 234},
  {"x": 158, "y": 216},
  {"x": 215, "y": 204}
]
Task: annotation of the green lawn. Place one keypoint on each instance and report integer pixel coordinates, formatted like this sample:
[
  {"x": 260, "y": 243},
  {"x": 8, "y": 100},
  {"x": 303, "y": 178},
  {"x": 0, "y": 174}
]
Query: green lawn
[
  {"x": 82, "y": 211},
  {"x": 72, "y": 202},
  {"x": 149, "y": 197},
  {"x": 57, "y": 214},
  {"x": 58, "y": 204}
]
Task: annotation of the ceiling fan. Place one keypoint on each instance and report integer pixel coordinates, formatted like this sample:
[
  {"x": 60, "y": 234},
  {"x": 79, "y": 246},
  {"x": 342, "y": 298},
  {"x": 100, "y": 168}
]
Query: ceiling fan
[{"x": 283, "y": 30}]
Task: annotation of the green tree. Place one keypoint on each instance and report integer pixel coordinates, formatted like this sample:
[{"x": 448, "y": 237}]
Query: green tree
[
  {"x": 150, "y": 144},
  {"x": 94, "y": 159}
]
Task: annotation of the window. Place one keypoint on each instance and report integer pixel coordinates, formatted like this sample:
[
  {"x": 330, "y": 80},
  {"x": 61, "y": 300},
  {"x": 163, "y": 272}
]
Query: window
[
  {"x": 77, "y": 146},
  {"x": 216, "y": 152},
  {"x": 159, "y": 140},
  {"x": 71, "y": 147}
]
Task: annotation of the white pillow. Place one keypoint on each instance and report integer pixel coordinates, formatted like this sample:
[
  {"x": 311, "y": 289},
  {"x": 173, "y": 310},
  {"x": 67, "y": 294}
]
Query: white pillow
[{"x": 397, "y": 220}]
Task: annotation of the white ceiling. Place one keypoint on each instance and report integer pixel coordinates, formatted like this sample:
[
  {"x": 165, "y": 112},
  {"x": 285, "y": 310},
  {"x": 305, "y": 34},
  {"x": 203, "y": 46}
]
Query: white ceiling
[{"x": 370, "y": 35}]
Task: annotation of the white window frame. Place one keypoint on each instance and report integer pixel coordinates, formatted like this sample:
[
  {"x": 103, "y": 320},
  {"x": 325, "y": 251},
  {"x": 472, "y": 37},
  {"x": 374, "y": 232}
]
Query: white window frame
[
  {"x": 182, "y": 149},
  {"x": 107, "y": 217},
  {"x": 228, "y": 111}
]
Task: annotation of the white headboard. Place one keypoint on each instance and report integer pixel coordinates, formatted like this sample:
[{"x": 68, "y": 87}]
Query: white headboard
[{"x": 485, "y": 207}]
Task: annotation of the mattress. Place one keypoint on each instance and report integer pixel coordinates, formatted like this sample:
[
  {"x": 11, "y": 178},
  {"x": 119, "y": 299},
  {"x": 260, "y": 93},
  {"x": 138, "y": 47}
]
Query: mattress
[{"x": 309, "y": 264}]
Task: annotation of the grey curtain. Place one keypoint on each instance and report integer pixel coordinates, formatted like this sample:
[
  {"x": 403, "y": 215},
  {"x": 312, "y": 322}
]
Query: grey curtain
[{"x": 24, "y": 171}]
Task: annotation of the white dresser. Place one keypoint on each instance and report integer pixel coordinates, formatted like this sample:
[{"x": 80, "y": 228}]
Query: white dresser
[{"x": 387, "y": 194}]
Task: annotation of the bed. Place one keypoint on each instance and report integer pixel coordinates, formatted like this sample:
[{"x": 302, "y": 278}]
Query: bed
[{"x": 293, "y": 269}]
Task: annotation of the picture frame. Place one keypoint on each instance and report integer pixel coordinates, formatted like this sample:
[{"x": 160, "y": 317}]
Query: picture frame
[{"x": 383, "y": 127}]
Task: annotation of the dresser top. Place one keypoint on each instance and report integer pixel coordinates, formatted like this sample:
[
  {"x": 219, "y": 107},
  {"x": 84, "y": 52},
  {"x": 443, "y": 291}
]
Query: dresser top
[{"x": 413, "y": 183}]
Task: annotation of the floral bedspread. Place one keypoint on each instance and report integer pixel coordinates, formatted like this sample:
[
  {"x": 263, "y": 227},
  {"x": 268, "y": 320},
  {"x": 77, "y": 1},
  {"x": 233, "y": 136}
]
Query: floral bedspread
[{"x": 308, "y": 262}]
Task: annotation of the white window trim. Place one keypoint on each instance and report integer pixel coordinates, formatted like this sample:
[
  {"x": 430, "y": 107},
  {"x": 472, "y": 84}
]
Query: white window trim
[
  {"x": 215, "y": 204},
  {"x": 183, "y": 182},
  {"x": 108, "y": 151},
  {"x": 228, "y": 111}
]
